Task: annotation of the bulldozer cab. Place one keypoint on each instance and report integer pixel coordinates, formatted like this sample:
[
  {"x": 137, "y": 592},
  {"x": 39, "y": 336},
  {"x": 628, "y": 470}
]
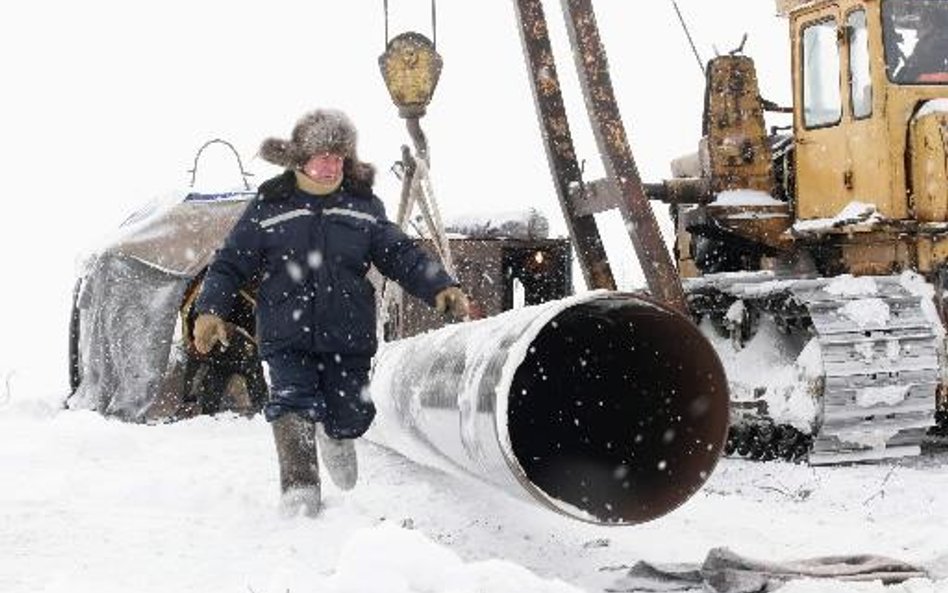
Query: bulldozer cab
[{"x": 861, "y": 71}]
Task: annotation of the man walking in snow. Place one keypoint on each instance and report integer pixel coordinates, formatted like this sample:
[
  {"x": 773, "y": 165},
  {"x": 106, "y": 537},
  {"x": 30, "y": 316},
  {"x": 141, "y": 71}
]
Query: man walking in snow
[{"x": 308, "y": 239}]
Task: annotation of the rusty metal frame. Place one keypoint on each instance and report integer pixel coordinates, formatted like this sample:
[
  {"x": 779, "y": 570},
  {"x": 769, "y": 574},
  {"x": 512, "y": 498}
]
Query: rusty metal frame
[
  {"x": 603, "y": 110},
  {"x": 560, "y": 152},
  {"x": 579, "y": 202}
]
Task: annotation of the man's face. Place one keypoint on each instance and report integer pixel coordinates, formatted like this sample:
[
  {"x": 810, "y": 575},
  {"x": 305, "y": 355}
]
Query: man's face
[{"x": 325, "y": 168}]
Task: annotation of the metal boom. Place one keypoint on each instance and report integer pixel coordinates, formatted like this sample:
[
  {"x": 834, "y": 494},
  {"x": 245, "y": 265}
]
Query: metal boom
[{"x": 622, "y": 188}]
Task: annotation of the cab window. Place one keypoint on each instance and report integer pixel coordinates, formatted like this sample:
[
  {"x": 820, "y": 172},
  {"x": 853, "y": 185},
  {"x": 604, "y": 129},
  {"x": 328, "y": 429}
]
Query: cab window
[
  {"x": 915, "y": 34},
  {"x": 822, "y": 100},
  {"x": 860, "y": 82}
]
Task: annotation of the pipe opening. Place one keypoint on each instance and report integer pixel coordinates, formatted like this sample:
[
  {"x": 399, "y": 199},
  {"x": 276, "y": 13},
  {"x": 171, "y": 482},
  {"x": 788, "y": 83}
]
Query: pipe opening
[{"x": 619, "y": 410}]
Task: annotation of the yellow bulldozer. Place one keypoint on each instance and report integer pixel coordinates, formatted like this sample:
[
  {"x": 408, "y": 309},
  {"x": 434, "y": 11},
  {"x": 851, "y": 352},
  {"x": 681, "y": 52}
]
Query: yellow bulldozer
[
  {"x": 825, "y": 244},
  {"x": 860, "y": 186},
  {"x": 836, "y": 234}
]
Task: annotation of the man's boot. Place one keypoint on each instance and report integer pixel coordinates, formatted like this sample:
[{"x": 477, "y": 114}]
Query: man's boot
[
  {"x": 339, "y": 457},
  {"x": 295, "y": 439}
]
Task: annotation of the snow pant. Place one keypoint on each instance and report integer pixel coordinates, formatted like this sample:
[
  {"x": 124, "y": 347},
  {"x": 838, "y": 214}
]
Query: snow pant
[{"x": 327, "y": 388}]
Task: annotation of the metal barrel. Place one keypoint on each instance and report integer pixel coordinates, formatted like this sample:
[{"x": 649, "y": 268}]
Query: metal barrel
[{"x": 607, "y": 407}]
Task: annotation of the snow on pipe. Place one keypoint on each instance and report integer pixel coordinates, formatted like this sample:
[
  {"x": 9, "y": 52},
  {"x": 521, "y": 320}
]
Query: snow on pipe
[{"x": 606, "y": 407}]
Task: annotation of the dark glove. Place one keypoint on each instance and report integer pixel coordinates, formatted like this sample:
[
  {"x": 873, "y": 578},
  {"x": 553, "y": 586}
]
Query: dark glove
[
  {"x": 208, "y": 329},
  {"x": 453, "y": 300}
]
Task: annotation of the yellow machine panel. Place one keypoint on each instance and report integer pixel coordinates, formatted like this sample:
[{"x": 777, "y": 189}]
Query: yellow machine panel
[
  {"x": 929, "y": 149},
  {"x": 734, "y": 124}
]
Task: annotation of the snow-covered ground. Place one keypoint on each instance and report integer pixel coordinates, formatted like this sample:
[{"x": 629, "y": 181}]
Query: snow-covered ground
[{"x": 90, "y": 504}]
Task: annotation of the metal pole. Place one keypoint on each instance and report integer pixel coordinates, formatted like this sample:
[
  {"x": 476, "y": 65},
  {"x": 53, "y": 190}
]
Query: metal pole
[
  {"x": 691, "y": 41},
  {"x": 603, "y": 110},
  {"x": 558, "y": 142}
]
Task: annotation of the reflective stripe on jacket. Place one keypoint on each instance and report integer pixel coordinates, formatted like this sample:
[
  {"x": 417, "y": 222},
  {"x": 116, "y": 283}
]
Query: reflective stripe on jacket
[{"x": 310, "y": 255}]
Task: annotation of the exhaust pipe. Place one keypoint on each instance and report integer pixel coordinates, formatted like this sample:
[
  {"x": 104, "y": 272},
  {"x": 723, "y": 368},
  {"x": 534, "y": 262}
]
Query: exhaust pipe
[{"x": 606, "y": 407}]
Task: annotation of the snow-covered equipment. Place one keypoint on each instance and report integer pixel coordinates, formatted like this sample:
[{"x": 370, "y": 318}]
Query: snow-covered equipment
[
  {"x": 527, "y": 224},
  {"x": 772, "y": 227},
  {"x": 497, "y": 274},
  {"x": 606, "y": 407},
  {"x": 129, "y": 343}
]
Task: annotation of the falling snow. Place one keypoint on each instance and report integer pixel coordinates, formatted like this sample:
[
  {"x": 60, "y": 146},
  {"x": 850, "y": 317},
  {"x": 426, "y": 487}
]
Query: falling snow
[{"x": 98, "y": 505}]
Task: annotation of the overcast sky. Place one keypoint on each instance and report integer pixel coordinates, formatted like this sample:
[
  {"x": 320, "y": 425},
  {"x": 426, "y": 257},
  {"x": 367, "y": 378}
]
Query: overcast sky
[{"x": 104, "y": 104}]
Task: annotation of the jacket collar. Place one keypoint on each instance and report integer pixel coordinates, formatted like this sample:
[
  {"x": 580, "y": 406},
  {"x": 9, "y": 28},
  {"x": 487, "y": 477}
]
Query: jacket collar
[
  {"x": 283, "y": 187},
  {"x": 280, "y": 187}
]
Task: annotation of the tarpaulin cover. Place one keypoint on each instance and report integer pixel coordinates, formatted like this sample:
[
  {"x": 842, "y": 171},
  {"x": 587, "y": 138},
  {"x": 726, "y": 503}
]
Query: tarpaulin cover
[{"x": 130, "y": 293}]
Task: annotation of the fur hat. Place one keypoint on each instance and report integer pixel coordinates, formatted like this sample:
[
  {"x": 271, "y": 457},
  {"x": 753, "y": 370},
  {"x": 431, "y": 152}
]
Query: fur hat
[{"x": 322, "y": 130}]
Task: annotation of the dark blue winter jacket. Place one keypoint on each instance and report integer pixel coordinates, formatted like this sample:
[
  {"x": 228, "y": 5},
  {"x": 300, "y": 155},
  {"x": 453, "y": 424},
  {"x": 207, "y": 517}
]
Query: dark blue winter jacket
[{"x": 310, "y": 255}]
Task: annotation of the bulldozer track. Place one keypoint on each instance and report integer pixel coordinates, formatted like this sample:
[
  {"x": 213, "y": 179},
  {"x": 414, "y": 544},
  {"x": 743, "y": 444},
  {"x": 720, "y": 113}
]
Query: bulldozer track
[
  {"x": 764, "y": 440},
  {"x": 880, "y": 355}
]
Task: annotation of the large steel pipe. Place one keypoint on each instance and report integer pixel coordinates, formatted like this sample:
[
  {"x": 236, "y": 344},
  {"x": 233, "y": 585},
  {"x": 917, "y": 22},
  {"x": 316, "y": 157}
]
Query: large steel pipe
[{"x": 607, "y": 407}]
